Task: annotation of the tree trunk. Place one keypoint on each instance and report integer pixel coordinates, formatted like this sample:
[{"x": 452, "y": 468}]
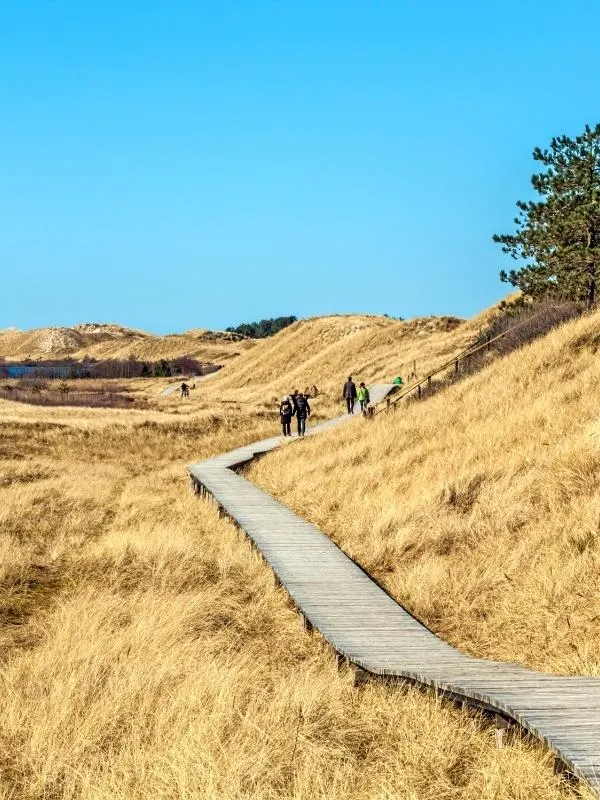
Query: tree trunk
[
  {"x": 591, "y": 270},
  {"x": 591, "y": 290}
]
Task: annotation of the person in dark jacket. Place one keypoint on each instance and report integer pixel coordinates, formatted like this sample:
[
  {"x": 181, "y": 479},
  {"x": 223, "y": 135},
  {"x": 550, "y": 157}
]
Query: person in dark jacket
[
  {"x": 302, "y": 411},
  {"x": 286, "y": 410},
  {"x": 349, "y": 394}
]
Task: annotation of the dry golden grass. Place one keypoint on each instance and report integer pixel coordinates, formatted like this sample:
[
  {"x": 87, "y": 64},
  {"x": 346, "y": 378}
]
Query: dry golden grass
[
  {"x": 479, "y": 508},
  {"x": 148, "y": 653}
]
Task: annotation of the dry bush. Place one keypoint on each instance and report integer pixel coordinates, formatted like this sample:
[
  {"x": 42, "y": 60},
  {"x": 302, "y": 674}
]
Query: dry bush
[{"x": 66, "y": 397}]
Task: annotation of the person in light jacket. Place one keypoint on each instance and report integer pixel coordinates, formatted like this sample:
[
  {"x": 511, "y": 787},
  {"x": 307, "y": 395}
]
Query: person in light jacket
[{"x": 286, "y": 410}]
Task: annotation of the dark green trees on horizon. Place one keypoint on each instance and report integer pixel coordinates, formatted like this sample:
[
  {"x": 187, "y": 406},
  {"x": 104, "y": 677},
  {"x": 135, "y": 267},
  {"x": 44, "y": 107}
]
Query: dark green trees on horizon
[
  {"x": 264, "y": 328},
  {"x": 558, "y": 236}
]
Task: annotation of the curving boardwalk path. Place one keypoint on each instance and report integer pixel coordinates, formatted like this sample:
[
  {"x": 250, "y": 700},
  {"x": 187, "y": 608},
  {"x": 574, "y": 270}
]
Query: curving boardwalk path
[{"x": 370, "y": 629}]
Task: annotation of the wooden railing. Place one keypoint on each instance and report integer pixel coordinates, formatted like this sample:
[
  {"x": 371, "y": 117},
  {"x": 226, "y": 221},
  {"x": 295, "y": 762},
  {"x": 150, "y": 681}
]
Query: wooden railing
[{"x": 454, "y": 363}]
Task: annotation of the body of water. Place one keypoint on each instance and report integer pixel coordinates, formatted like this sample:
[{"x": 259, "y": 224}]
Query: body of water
[{"x": 35, "y": 371}]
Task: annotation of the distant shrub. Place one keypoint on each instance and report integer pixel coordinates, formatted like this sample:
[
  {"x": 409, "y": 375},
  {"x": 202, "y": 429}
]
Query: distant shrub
[
  {"x": 162, "y": 369},
  {"x": 32, "y": 384},
  {"x": 528, "y": 321},
  {"x": 108, "y": 368}
]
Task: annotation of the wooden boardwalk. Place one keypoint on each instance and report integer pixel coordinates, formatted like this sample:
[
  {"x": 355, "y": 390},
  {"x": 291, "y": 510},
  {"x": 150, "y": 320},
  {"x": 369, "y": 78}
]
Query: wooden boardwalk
[{"x": 370, "y": 629}]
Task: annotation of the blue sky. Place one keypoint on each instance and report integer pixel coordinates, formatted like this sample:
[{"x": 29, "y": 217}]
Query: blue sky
[{"x": 191, "y": 164}]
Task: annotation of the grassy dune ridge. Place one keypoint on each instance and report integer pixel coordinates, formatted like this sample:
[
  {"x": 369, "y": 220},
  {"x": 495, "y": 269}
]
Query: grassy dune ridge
[
  {"x": 479, "y": 508},
  {"x": 147, "y": 651},
  {"x": 324, "y": 350},
  {"x": 105, "y": 341}
]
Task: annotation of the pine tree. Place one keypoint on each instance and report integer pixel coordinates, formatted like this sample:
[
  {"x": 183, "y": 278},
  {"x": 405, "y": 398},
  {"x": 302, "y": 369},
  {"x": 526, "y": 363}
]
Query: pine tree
[{"x": 559, "y": 235}]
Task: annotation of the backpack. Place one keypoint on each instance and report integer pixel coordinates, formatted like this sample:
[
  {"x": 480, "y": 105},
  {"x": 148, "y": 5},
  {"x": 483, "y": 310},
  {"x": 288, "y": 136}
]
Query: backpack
[
  {"x": 301, "y": 405},
  {"x": 285, "y": 409}
]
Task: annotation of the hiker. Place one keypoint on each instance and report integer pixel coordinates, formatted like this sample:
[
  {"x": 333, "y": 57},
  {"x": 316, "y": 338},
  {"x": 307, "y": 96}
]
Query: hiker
[
  {"x": 363, "y": 398},
  {"x": 349, "y": 394},
  {"x": 286, "y": 410},
  {"x": 185, "y": 390},
  {"x": 295, "y": 394},
  {"x": 398, "y": 381},
  {"x": 302, "y": 411}
]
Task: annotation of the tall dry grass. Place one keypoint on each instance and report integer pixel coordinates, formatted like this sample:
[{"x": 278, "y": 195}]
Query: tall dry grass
[
  {"x": 479, "y": 509},
  {"x": 147, "y": 651}
]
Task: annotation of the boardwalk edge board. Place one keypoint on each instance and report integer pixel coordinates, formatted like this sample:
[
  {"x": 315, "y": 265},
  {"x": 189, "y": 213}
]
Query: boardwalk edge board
[{"x": 372, "y": 631}]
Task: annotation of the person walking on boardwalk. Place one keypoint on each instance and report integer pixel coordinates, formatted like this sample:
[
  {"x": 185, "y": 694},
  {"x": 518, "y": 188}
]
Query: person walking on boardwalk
[
  {"x": 363, "y": 398},
  {"x": 286, "y": 409},
  {"x": 349, "y": 394},
  {"x": 302, "y": 411}
]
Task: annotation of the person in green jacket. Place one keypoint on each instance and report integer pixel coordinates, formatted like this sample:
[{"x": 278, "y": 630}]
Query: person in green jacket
[
  {"x": 398, "y": 380},
  {"x": 363, "y": 397}
]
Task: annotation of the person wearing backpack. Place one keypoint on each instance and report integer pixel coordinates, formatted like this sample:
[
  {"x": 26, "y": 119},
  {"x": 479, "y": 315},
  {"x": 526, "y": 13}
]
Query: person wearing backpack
[
  {"x": 302, "y": 411},
  {"x": 363, "y": 398},
  {"x": 349, "y": 394},
  {"x": 286, "y": 411}
]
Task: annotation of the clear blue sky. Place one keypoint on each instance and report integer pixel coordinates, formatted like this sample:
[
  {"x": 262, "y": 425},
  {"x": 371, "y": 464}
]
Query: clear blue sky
[{"x": 187, "y": 164}]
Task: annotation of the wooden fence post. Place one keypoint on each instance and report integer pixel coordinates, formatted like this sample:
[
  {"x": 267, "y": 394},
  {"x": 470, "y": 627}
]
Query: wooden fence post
[
  {"x": 501, "y": 731},
  {"x": 361, "y": 677},
  {"x": 305, "y": 623}
]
